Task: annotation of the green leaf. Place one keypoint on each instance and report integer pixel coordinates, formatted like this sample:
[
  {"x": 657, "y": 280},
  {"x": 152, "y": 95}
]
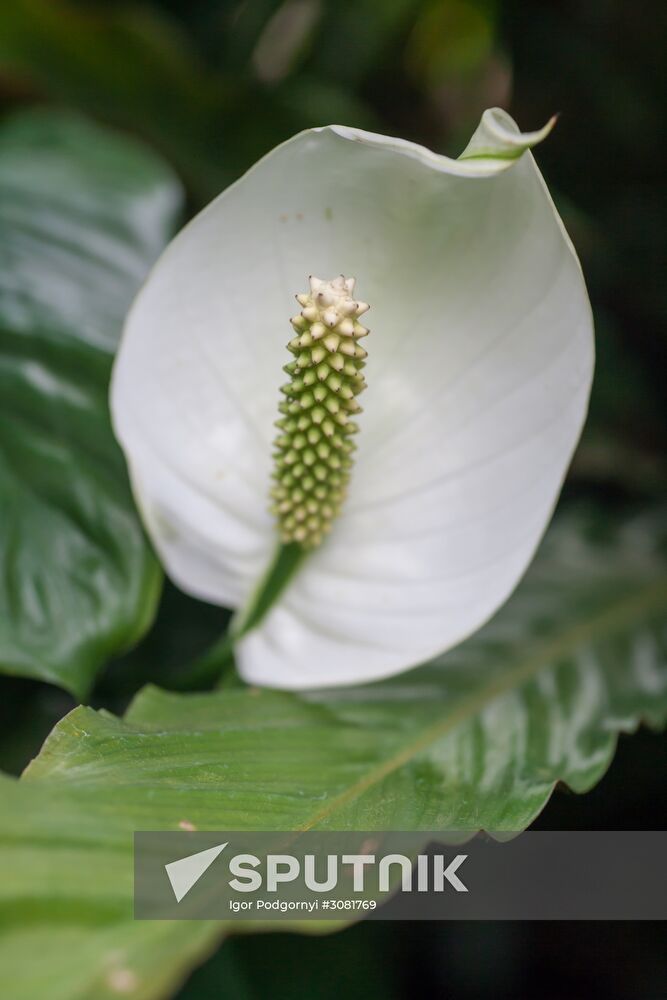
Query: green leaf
[
  {"x": 83, "y": 214},
  {"x": 477, "y": 738}
]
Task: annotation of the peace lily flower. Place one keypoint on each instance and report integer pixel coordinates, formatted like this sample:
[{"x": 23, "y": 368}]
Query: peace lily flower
[{"x": 479, "y": 368}]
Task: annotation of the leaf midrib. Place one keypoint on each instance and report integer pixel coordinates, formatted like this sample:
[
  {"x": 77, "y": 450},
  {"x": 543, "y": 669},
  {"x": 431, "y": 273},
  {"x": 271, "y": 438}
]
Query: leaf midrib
[{"x": 616, "y": 617}]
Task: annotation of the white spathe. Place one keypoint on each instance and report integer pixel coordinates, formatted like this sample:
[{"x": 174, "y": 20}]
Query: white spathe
[{"x": 479, "y": 372}]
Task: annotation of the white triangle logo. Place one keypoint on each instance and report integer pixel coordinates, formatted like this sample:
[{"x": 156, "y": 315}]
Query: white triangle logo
[{"x": 186, "y": 871}]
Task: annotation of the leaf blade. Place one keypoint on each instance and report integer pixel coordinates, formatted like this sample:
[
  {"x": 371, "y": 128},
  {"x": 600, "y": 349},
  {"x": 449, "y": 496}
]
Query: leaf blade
[
  {"x": 494, "y": 734},
  {"x": 83, "y": 213}
]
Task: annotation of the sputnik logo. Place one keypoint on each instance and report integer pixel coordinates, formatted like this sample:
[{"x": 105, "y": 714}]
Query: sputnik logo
[
  {"x": 185, "y": 872},
  {"x": 281, "y": 868}
]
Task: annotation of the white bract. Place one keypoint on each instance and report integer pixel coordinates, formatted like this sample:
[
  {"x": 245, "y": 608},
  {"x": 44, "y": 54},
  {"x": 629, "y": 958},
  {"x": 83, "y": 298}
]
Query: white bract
[{"x": 479, "y": 371}]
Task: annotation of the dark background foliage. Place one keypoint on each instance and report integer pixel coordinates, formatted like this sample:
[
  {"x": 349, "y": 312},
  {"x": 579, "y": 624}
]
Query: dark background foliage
[{"x": 212, "y": 85}]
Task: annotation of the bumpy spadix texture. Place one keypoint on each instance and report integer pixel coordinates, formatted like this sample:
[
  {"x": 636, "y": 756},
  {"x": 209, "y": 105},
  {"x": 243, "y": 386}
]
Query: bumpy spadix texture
[
  {"x": 314, "y": 448},
  {"x": 480, "y": 368}
]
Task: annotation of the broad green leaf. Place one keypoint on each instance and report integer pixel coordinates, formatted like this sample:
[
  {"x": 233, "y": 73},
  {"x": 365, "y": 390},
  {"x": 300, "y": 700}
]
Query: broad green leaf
[
  {"x": 478, "y": 738},
  {"x": 83, "y": 214}
]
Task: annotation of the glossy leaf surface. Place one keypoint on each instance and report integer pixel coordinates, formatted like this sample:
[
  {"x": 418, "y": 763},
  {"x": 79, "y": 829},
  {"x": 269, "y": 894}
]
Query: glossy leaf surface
[{"x": 83, "y": 213}]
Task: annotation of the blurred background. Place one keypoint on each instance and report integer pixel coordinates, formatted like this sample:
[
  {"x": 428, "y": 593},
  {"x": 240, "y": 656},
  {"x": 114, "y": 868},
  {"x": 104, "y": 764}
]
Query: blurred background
[{"x": 213, "y": 85}]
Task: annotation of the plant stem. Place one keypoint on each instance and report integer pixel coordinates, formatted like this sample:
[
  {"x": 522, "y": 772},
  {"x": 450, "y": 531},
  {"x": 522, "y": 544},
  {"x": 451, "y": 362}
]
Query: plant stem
[{"x": 209, "y": 668}]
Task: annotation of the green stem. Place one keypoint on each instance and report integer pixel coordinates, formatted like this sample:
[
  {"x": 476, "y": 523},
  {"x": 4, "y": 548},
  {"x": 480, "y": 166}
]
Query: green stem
[
  {"x": 209, "y": 668},
  {"x": 286, "y": 562}
]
